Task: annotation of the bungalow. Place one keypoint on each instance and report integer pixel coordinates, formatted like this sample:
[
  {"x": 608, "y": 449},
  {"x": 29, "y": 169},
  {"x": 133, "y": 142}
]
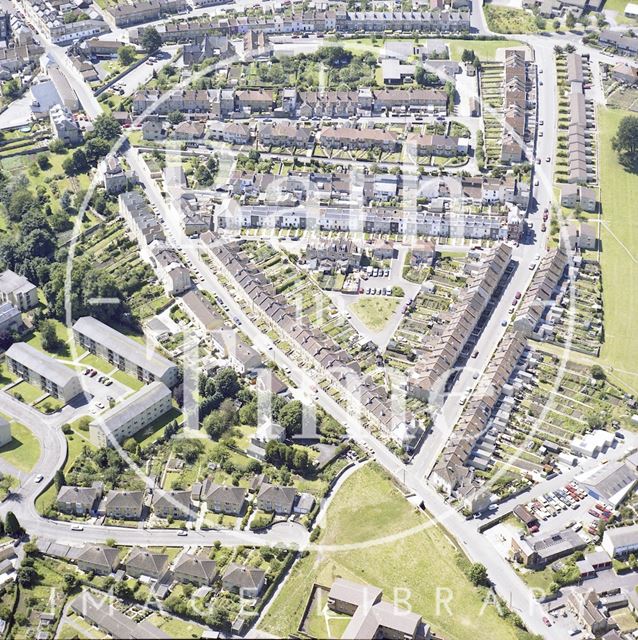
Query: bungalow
[
  {"x": 195, "y": 569},
  {"x": 538, "y": 551},
  {"x": 275, "y": 498},
  {"x": 98, "y": 559},
  {"x": 248, "y": 582},
  {"x": 141, "y": 562},
  {"x": 242, "y": 357}
]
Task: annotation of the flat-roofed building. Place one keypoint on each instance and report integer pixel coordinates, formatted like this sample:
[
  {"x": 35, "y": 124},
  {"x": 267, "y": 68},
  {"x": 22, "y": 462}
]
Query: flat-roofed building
[
  {"x": 42, "y": 371},
  {"x": 18, "y": 291},
  {"x": 132, "y": 415},
  {"x": 124, "y": 352},
  {"x": 621, "y": 541}
]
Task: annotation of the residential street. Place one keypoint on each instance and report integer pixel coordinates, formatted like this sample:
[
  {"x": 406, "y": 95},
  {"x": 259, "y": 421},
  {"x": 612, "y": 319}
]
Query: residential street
[{"x": 413, "y": 475}]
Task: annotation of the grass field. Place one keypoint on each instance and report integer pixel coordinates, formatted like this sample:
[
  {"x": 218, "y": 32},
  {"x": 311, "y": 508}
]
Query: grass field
[
  {"x": 24, "y": 449},
  {"x": 97, "y": 363},
  {"x": 619, "y": 239},
  {"x": 509, "y": 20},
  {"x": 366, "y": 508},
  {"x": 375, "y": 311},
  {"x": 484, "y": 49},
  {"x": 27, "y": 392}
]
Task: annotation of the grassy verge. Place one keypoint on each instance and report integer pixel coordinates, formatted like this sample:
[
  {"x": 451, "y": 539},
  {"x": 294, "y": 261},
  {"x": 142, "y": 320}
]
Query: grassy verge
[
  {"x": 24, "y": 449},
  {"x": 368, "y": 508}
]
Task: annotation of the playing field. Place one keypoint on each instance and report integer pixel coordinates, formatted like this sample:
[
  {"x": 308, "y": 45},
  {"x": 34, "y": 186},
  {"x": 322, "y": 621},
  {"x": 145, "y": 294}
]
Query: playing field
[
  {"x": 619, "y": 257},
  {"x": 366, "y": 509}
]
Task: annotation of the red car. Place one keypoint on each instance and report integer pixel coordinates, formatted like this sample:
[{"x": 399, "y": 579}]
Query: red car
[
  {"x": 593, "y": 512},
  {"x": 546, "y": 622}
]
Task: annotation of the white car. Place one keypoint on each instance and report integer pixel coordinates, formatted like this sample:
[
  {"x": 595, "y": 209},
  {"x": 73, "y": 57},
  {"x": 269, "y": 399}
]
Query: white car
[
  {"x": 182, "y": 533},
  {"x": 38, "y": 478},
  {"x": 77, "y": 527}
]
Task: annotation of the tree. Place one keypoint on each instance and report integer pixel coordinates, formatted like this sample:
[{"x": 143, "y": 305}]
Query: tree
[
  {"x": 11, "y": 88},
  {"x": 226, "y": 382},
  {"x": 48, "y": 336},
  {"x": 175, "y": 117},
  {"x": 151, "y": 40},
  {"x": 478, "y": 575},
  {"x": 25, "y": 576},
  {"x": 11, "y": 525},
  {"x": 625, "y": 142},
  {"x": 96, "y": 148},
  {"x": 215, "y": 425},
  {"x": 597, "y": 372},
  {"x": 43, "y": 161},
  {"x": 123, "y": 591},
  {"x": 106, "y": 127},
  {"x": 291, "y": 417},
  {"x": 126, "y": 55},
  {"x": 570, "y": 21},
  {"x": 70, "y": 582},
  {"x": 468, "y": 55},
  {"x": 59, "y": 479}
]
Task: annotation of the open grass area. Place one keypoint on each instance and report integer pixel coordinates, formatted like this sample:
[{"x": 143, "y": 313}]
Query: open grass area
[
  {"x": 367, "y": 508},
  {"x": 26, "y": 392},
  {"x": 155, "y": 430},
  {"x": 64, "y": 334},
  {"x": 484, "y": 49},
  {"x": 24, "y": 449},
  {"x": 509, "y": 20},
  {"x": 97, "y": 363},
  {"x": 619, "y": 239},
  {"x": 128, "y": 380},
  {"x": 175, "y": 627},
  {"x": 375, "y": 311}
]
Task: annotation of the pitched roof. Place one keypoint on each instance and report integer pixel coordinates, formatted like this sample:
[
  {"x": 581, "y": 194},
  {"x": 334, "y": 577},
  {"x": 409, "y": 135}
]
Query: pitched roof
[
  {"x": 196, "y": 566},
  {"x": 146, "y": 562},
  {"x": 99, "y": 555},
  {"x": 242, "y": 577}
]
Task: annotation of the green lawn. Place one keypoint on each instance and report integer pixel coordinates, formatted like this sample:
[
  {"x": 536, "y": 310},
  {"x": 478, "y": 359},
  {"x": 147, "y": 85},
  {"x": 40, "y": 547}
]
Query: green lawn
[
  {"x": 128, "y": 380},
  {"x": 174, "y": 627},
  {"x": 6, "y": 377},
  {"x": 509, "y": 20},
  {"x": 156, "y": 429},
  {"x": 64, "y": 336},
  {"x": 619, "y": 238},
  {"x": 27, "y": 392},
  {"x": 97, "y": 363},
  {"x": 484, "y": 49},
  {"x": 375, "y": 311},
  {"x": 24, "y": 449},
  {"x": 368, "y": 507}
]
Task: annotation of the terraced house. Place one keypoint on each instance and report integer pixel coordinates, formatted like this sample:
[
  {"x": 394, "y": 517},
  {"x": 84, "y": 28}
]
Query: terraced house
[{"x": 123, "y": 352}]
